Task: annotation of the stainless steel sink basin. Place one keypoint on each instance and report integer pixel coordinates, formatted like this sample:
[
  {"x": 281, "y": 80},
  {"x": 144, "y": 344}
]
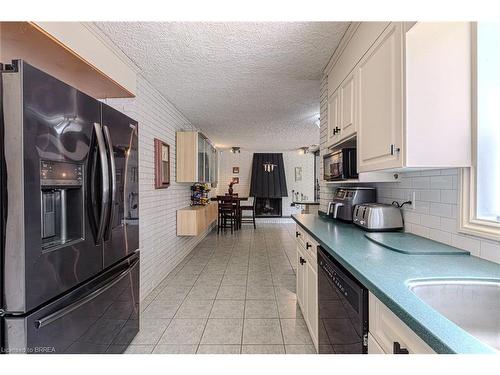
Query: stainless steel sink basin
[{"x": 473, "y": 305}]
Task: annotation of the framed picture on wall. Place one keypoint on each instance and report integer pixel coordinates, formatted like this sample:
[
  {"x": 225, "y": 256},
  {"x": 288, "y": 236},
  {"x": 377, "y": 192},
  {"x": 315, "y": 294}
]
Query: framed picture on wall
[
  {"x": 298, "y": 173},
  {"x": 162, "y": 164},
  {"x": 236, "y": 170}
]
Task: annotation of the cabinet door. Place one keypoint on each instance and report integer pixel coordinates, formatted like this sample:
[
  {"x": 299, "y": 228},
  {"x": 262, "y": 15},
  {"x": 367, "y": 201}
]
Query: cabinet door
[
  {"x": 347, "y": 107},
  {"x": 201, "y": 158},
  {"x": 380, "y": 103},
  {"x": 208, "y": 160},
  {"x": 301, "y": 281},
  {"x": 334, "y": 118},
  {"x": 312, "y": 302}
]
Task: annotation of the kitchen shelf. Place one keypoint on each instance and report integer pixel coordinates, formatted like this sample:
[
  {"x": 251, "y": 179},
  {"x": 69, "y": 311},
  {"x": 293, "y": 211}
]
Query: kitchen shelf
[{"x": 369, "y": 177}]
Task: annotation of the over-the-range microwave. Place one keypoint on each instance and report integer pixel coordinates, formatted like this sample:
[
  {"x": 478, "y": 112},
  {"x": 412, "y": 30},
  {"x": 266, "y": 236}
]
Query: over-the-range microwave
[{"x": 340, "y": 165}]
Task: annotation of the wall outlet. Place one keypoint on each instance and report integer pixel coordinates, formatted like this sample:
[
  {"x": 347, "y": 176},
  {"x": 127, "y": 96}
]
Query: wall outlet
[{"x": 411, "y": 197}]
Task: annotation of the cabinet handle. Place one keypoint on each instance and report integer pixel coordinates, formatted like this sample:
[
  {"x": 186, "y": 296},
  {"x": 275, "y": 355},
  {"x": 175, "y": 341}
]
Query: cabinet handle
[
  {"x": 308, "y": 245},
  {"x": 336, "y": 130},
  {"x": 397, "y": 349},
  {"x": 302, "y": 261},
  {"x": 297, "y": 234},
  {"x": 394, "y": 149}
]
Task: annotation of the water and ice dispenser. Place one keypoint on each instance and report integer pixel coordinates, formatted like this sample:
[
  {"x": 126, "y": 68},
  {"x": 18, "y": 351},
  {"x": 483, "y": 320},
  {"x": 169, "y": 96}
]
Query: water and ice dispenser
[{"x": 62, "y": 203}]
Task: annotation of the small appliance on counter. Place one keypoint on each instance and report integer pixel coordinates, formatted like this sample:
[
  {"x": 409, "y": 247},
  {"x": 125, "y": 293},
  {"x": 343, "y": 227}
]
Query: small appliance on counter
[
  {"x": 345, "y": 198},
  {"x": 378, "y": 217},
  {"x": 340, "y": 165}
]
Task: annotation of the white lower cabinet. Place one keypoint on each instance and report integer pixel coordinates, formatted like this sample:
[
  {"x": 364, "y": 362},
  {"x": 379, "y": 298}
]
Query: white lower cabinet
[
  {"x": 389, "y": 334},
  {"x": 301, "y": 278},
  {"x": 307, "y": 284},
  {"x": 312, "y": 303},
  {"x": 373, "y": 346}
]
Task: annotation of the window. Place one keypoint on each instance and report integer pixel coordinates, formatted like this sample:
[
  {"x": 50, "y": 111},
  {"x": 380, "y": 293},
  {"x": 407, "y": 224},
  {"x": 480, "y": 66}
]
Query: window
[{"x": 480, "y": 213}]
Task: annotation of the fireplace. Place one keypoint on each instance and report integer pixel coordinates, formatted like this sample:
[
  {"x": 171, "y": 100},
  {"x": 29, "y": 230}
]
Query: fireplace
[
  {"x": 268, "y": 184},
  {"x": 268, "y": 207}
]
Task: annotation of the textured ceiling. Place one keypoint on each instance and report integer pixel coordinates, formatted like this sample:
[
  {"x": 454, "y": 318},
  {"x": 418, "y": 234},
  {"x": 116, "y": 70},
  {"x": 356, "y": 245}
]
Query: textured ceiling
[{"x": 253, "y": 85}]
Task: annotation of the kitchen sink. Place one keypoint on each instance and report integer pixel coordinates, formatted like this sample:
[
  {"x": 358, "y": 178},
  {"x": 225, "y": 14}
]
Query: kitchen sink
[{"x": 472, "y": 304}]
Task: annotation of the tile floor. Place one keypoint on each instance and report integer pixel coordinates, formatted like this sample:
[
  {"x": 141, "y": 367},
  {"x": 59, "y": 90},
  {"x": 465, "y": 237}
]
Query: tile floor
[{"x": 233, "y": 294}]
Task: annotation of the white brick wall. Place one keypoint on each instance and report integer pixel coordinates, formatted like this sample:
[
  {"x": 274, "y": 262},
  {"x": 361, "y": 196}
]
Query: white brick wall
[
  {"x": 291, "y": 159},
  {"x": 161, "y": 249},
  {"x": 436, "y": 212}
]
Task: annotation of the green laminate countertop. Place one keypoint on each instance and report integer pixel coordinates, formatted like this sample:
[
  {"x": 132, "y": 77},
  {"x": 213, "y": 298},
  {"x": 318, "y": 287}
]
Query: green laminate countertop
[{"x": 386, "y": 273}]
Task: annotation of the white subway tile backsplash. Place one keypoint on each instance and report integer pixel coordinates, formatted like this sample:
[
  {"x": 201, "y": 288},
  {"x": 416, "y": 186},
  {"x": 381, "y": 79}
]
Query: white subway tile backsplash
[
  {"x": 411, "y": 217},
  {"x": 440, "y": 236},
  {"x": 441, "y": 209},
  {"x": 421, "y": 182},
  {"x": 430, "y": 221},
  {"x": 490, "y": 251},
  {"x": 442, "y": 182},
  {"x": 429, "y": 195},
  {"x": 449, "y": 196},
  {"x": 419, "y": 230},
  {"x": 448, "y": 225},
  {"x": 466, "y": 243}
]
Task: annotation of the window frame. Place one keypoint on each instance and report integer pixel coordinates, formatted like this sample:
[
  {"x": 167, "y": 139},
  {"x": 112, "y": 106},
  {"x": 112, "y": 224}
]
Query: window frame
[{"x": 468, "y": 220}]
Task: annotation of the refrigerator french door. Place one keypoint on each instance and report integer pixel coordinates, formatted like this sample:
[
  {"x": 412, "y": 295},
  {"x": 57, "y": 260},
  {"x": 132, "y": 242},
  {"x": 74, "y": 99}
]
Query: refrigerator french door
[
  {"x": 122, "y": 235},
  {"x": 60, "y": 201}
]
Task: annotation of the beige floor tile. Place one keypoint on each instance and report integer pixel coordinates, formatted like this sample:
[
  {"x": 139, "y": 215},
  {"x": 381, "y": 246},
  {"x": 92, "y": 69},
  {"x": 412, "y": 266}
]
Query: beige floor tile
[
  {"x": 228, "y": 309},
  {"x": 219, "y": 349},
  {"x": 262, "y": 331},
  {"x": 261, "y": 309},
  {"x": 183, "y": 332},
  {"x": 262, "y": 349},
  {"x": 223, "y": 331}
]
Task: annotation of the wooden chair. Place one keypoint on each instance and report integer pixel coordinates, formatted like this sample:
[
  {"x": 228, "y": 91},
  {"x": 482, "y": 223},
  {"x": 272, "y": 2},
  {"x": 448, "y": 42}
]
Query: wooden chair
[
  {"x": 248, "y": 219},
  {"x": 226, "y": 218}
]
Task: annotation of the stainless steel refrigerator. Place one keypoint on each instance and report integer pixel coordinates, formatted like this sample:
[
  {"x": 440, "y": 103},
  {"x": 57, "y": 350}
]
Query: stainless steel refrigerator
[{"x": 69, "y": 218}]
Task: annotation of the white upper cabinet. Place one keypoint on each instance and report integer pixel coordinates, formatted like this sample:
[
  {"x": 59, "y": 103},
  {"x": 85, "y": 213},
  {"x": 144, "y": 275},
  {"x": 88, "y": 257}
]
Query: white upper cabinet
[
  {"x": 407, "y": 96},
  {"x": 347, "y": 106},
  {"x": 341, "y": 112},
  {"x": 334, "y": 118},
  {"x": 380, "y": 105}
]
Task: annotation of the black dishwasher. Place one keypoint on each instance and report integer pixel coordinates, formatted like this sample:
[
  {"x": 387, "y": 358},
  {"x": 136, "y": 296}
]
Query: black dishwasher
[{"x": 343, "y": 309}]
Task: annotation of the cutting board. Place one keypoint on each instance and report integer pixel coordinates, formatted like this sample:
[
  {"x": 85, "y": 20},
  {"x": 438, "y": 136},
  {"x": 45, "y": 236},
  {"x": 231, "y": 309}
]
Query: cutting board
[{"x": 408, "y": 243}]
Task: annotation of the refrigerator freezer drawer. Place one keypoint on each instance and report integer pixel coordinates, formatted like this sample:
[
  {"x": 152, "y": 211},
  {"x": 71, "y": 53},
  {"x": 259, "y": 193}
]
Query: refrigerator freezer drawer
[{"x": 101, "y": 312}]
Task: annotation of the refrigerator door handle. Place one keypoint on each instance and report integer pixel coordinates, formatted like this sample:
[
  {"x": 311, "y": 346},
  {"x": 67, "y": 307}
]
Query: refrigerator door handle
[
  {"x": 113, "y": 178},
  {"x": 45, "y": 321},
  {"x": 105, "y": 182}
]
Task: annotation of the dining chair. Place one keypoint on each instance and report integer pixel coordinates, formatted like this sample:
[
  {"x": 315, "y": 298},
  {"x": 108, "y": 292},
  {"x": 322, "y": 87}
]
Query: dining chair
[
  {"x": 248, "y": 219},
  {"x": 226, "y": 218}
]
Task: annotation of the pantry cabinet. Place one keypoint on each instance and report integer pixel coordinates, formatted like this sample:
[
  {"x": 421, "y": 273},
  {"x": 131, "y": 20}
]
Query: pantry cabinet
[
  {"x": 402, "y": 89},
  {"x": 196, "y": 158}
]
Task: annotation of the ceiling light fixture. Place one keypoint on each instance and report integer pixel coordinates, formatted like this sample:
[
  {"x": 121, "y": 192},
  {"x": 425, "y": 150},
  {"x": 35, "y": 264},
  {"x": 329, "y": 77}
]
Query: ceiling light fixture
[{"x": 235, "y": 150}]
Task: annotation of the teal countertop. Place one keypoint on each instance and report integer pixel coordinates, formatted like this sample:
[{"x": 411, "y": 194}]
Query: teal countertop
[{"x": 386, "y": 273}]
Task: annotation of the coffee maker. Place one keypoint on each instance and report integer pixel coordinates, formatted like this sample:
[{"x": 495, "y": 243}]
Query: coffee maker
[{"x": 345, "y": 198}]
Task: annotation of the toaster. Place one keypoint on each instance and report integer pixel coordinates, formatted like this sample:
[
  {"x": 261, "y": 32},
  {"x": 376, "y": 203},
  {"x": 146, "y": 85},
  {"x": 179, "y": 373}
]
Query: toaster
[{"x": 378, "y": 217}]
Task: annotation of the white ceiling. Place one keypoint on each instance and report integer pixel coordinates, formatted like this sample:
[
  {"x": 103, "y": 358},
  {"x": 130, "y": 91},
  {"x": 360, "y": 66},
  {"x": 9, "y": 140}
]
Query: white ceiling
[{"x": 253, "y": 85}]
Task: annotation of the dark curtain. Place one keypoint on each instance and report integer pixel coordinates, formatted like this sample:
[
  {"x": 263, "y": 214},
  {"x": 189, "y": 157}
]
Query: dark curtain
[{"x": 268, "y": 184}]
